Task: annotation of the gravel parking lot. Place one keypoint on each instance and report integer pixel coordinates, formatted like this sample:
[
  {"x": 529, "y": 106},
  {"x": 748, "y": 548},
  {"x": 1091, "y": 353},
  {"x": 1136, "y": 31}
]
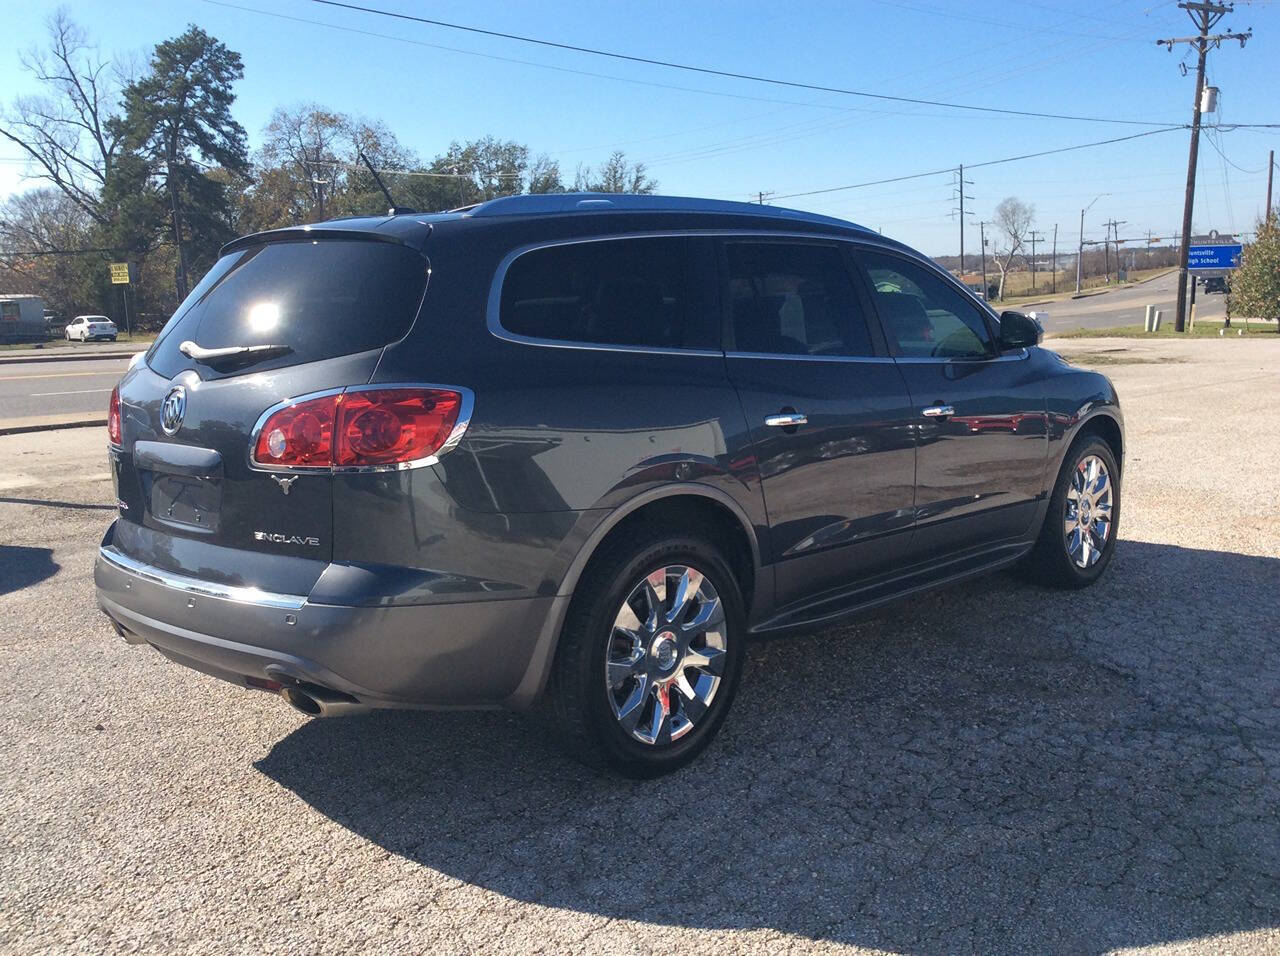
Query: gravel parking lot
[{"x": 996, "y": 768}]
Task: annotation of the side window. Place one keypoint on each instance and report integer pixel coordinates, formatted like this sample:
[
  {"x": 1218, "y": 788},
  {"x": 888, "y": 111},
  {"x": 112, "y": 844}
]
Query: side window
[
  {"x": 922, "y": 312},
  {"x": 794, "y": 298},
  {"x": 610, "y": 292}
]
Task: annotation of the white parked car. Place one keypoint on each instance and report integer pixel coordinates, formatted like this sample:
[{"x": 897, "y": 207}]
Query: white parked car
[{"x": 85, "y": 327}]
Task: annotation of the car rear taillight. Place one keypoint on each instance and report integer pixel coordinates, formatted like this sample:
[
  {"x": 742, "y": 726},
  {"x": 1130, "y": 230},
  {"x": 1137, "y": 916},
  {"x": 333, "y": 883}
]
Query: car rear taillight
[
  {"x": 362, "y": 428},
  {"x": 394, "y": 426},
  {"x": 299, "y": 436},
  {"x": 115, "y": 434}
]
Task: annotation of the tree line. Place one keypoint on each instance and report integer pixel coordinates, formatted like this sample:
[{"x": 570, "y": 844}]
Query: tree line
[{"x": 146, "y": 163}]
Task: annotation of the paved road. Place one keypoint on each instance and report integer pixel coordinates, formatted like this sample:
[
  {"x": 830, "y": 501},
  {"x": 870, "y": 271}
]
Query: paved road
[
  {"x": 1127, "y": 306},
  {"x": 995, "y": 769},
  {"x": 30, "y": 389}
]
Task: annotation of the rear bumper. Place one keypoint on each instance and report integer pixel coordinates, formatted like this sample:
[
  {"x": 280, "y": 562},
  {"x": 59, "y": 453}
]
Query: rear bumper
[{"x": 465, "y": 654}]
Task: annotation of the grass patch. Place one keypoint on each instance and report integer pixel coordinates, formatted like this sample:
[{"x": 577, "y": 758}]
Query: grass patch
[
  {"x": 1202, "y": 329},
  {"x": 1017, "y": 289},
  {"x": 1094, "y": 359}
]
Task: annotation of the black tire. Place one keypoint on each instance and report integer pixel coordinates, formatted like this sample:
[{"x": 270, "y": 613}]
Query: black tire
[
  {"x": 1050, "y": 562},
  {"x": 580, "y": 701}
]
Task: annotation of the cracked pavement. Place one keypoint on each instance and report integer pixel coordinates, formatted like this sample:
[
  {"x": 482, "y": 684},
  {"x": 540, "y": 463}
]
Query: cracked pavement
[{"x": 991, "y": 768}]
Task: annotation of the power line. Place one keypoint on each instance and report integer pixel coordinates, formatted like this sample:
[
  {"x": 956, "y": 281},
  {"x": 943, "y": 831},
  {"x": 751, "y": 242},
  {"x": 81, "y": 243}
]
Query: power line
[
  {"x": 993, "y": 21},
  {"x": 1226, "y": 158},
  {"x": 990, "y": 162},
  {"x": 729, "y": 74},
  {"x": 533, "y": 63}
]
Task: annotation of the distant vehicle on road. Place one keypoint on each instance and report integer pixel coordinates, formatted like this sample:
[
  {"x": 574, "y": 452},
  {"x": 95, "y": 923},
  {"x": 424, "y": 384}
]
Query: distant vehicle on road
[
  {"x": 1215, "y": 284},
  {"x": 612, "y": 439},
  {"x": 96, "y": 327}
]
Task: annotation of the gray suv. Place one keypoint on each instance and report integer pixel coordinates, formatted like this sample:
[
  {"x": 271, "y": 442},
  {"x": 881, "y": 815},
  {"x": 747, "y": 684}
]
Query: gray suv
[{"x": 578, "y": 449}]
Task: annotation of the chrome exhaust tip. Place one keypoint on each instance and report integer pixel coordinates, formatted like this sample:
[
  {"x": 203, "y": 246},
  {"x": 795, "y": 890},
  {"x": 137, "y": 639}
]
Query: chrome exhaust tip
[
  {"x": 301, "y": 701},
  {"x": 316, "y": 701}
]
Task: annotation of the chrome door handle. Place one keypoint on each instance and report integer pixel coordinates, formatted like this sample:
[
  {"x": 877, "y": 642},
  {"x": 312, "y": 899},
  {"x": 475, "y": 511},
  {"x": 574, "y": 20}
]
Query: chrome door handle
[
  {"x": 786, "y": 419},
  {"x": 939, "y": 411}
]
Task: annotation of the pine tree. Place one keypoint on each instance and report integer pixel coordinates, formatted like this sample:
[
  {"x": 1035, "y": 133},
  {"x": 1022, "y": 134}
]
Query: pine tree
[{"x": 178, "y": 120}]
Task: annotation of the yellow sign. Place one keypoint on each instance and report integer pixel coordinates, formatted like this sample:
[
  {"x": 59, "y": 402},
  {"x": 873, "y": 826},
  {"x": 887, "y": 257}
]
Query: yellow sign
[{"x": 119, "y": 273}]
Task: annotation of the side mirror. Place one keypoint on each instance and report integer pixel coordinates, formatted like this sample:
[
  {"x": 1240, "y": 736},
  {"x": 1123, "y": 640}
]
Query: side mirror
[{"x": 1018, "y": 331}]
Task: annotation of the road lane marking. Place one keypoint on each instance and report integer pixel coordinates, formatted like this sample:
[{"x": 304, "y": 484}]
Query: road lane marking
[
  {"x": 14, "y": 378},
  {"x": 83, "y": 391}
]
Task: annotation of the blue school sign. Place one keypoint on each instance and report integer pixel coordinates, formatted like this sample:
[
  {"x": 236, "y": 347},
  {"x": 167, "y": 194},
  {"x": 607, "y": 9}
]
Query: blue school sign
[{"x": 1223, "y": 256}]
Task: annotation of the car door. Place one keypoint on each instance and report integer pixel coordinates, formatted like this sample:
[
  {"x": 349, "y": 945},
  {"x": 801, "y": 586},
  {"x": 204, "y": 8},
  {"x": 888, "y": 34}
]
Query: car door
[
  {"x": 825, "y": 407},
  {"x": 980, "y": 415}
]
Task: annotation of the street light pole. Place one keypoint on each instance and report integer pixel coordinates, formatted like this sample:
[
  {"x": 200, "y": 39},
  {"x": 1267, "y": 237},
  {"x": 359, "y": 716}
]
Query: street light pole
[{"x": 1080, "y": 251}]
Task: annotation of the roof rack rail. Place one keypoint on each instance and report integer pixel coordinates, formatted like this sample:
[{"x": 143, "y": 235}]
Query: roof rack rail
[{"x": 544, "y": 203}]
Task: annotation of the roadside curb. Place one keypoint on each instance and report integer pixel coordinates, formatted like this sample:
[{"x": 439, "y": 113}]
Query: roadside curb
[
  {"x": 1154, "y": 278},
  {"x": 51, "y": 426},
  {"x": 1123, "y": 286},
  {"x": 77, "y": 357}
]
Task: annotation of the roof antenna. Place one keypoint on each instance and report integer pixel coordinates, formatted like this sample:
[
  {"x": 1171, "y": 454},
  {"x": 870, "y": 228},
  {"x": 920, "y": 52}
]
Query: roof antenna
[{"x": 392, "y": 209}]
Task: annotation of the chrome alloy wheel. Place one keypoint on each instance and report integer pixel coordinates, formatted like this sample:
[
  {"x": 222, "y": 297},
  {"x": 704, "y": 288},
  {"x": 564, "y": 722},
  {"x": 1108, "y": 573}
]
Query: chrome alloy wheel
[
  {"x": 666, "y": 654},
  {"x": 1087, "y": 522}
]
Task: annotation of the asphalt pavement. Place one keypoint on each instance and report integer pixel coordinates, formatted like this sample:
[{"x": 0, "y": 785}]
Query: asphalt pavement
[
  {"x": 36, "y": 389},
  {"x": 991, "y": 768},
  {"x": 1126, "y": 305}
]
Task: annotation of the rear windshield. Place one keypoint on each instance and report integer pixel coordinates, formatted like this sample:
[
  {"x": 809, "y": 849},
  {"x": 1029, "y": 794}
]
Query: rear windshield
[{"x": 318, "y": 298}]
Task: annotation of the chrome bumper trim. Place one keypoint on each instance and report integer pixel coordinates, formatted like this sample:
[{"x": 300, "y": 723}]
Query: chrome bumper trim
[{"x": 242, "y": 595}]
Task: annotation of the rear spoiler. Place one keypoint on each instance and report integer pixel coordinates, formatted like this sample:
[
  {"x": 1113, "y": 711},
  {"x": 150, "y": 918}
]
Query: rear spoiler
[{"x": 327, "y": 231}]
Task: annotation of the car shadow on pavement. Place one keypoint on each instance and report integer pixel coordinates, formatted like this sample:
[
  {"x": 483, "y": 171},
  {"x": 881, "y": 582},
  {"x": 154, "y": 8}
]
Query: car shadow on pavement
[
  {"x": 996, "y": 767},
  {"x": 46, "y": 503},
  {"x": 22, "y": 567}
]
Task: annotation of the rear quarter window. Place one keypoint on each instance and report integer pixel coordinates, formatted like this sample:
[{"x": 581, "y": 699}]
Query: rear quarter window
[
  {"x": 624, "y": 292},
  {"x": 320, "y": 298}
]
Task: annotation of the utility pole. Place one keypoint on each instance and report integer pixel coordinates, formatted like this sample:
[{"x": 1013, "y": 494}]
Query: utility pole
[
  {"x": 1271, "y": 168},
  {"x": 1113, "y": 232},
  {"x": 1106, "y": 252},
  {"x": 760, "y": 196},
  {"x": 1205, "y": 16},
  {"x": 961, "y": 182},
  {"x": 1035, "y": 237},
  {"x": 982, "y": 237},
  {"x": 1055, "y": 258}
]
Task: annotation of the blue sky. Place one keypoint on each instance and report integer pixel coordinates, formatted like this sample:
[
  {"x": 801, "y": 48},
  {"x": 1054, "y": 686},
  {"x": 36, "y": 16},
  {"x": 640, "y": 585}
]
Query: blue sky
[{"x": 725, "y": 138}]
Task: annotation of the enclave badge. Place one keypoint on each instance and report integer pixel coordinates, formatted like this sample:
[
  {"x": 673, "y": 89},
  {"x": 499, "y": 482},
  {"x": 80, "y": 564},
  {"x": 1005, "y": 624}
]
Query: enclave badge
[
  {"x": 173, "y": 410},
  {"x": 275, "y": 538}
]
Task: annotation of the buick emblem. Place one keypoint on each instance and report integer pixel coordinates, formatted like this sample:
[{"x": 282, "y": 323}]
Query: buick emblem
[{"x": 173, "y": 410}]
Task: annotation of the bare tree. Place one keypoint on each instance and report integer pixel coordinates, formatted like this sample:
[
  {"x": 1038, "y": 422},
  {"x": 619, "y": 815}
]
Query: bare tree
[
  {"x": 615, "y": 175},
  {"x": 306, "y": 138},
  {"x": 544, "y": 175},
  {"x": 1013, "y": 221},
  {"x": 43, "y": 239},
  {"x": 66, "y": 133}
]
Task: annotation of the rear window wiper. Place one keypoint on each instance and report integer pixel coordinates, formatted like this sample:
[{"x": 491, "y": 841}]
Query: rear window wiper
[{"x": 233, "y": 354}]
